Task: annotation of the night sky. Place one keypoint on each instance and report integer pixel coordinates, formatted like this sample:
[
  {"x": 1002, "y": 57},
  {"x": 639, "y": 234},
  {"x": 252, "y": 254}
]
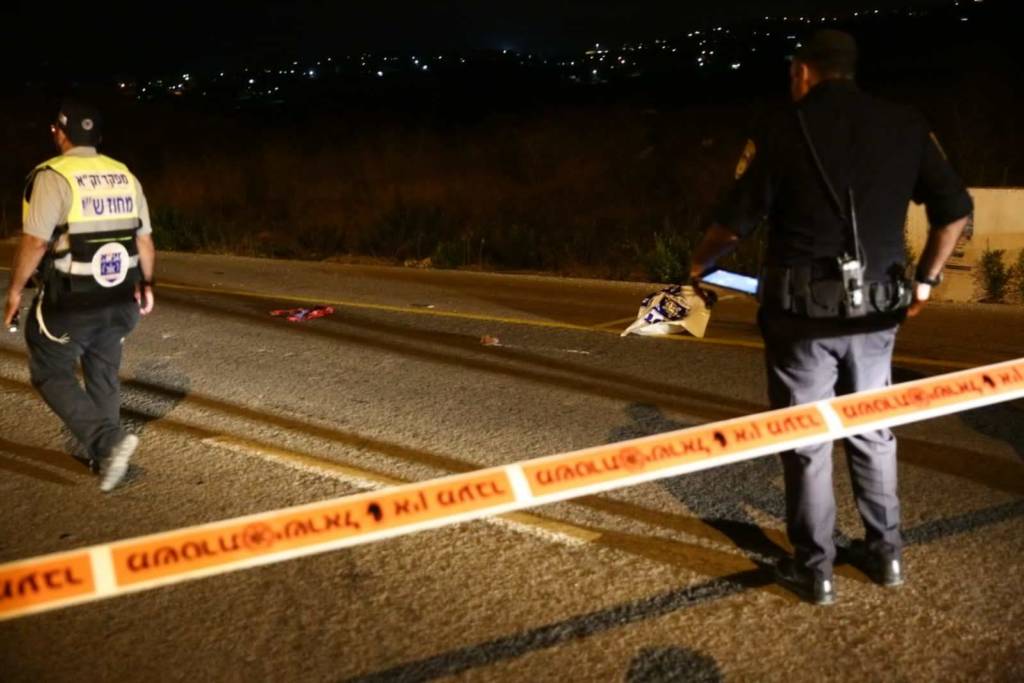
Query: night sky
[{"x": 113, "y": 36}]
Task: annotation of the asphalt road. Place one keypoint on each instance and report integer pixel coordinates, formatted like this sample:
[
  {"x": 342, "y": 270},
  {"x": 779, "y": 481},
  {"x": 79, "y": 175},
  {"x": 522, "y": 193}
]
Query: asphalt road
[{"x": 240, "y": 412}]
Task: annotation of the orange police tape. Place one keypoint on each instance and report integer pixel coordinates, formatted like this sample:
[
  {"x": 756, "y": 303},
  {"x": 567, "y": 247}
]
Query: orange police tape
[{"x": 104, "y": 571}]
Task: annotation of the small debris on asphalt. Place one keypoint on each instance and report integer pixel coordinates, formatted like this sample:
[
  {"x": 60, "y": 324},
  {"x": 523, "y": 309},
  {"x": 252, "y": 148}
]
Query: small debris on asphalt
[
  {"x": 298, "y": 315},
  {"x": 488, "y": 340}
]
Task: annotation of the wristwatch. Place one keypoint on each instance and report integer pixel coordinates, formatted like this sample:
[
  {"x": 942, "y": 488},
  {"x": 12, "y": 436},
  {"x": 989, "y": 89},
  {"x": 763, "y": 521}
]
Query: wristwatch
[{"x": 919, "y": 276}]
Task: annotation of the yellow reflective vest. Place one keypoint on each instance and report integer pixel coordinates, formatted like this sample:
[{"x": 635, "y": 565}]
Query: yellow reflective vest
[{"x": 93, "y": 254}]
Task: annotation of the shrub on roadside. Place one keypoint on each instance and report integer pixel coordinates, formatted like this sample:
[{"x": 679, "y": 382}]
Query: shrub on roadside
[
  {"x": 449, "y": 254},
  {"x": 669, "y": 258},
  {"x": 993, "y": 275},
  {"x": 1017, "y": 276}
]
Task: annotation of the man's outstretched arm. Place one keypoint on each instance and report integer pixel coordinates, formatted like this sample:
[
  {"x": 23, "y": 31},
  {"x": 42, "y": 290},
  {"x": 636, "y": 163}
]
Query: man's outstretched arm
[{"x": 716, "y": 243}]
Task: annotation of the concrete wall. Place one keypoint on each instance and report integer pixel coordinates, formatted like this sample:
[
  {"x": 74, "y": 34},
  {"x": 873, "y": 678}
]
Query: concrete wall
[{"x": 998, "y": 224}]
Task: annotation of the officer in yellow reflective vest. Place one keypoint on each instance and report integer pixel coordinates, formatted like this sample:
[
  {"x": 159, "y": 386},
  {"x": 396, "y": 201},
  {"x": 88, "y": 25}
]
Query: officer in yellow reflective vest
[{"x": 87, "y": 238}]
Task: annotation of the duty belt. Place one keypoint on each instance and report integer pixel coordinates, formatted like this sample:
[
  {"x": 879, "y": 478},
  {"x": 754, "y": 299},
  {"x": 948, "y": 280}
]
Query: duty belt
[{"x": 816, "y": 291}]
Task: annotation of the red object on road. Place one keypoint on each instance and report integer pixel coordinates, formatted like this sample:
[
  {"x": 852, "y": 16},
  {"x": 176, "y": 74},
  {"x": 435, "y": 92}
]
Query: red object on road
[{"x": 298, "y": 315}]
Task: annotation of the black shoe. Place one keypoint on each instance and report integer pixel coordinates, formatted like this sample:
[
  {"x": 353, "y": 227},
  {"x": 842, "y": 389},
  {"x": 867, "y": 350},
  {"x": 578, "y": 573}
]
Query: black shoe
[
  {"x": 883, "y": 569},
  {"x": 816, "y": 590}
]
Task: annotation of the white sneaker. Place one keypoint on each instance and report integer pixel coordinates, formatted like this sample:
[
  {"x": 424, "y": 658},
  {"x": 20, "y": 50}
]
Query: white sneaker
[{"x": 115, "y": 466}]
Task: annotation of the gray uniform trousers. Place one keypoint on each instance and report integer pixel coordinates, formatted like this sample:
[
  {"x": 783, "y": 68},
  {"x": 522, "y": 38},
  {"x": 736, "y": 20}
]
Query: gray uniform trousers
[
  {"x": 92, "y": 412},
  {"x": 801, "y": 370}
]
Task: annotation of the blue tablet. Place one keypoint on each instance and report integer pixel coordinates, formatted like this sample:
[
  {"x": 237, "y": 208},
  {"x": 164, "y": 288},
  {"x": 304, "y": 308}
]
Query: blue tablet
[{"x": 729, "y": 280}]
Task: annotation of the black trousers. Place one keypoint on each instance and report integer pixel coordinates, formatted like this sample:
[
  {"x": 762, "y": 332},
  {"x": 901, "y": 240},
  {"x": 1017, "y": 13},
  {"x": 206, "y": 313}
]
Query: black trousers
[
  {"x": 94, "y": 337},
  {"x": 805, "y": 364}
]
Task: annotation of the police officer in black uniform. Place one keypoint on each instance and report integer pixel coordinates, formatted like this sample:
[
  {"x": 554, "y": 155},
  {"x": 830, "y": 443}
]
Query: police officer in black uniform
[{"x": 831, "y": 179}]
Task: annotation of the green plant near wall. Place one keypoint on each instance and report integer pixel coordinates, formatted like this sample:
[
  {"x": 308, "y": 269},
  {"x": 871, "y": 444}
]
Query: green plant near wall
[
  {"x": 1017, "y": 276},
  {"x": 669, "y": 258},
  {"x": 450, "y": 254},
  {"x": 993, "y": 275}
]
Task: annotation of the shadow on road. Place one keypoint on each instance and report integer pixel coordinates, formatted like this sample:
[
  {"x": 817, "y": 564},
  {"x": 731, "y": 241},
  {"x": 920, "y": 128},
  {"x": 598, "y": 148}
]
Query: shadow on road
[
  {"x": 23, "y": 453},
  {"x": 657, "y": 665},
  {"x": 582, "y": 626}
]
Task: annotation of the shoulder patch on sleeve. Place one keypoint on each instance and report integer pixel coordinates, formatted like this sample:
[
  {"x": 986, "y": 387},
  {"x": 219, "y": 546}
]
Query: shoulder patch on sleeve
[
  {"x": 937, "y": 145},
  {"x": 749, "y": 152}
]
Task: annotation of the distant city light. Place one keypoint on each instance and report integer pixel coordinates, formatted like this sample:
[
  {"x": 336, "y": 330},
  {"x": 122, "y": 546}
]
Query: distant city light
[{"x": 710, "y": 47}]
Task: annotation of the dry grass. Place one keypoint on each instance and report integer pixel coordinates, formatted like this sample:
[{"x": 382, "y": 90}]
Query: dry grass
[{"x": 566, "y": 191}]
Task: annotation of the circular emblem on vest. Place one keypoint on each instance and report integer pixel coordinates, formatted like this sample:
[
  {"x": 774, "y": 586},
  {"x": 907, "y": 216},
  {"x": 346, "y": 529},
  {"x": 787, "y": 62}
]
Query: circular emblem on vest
[
  {"x": 110, "y": 264},
  {"x": 87, "y": 124}
]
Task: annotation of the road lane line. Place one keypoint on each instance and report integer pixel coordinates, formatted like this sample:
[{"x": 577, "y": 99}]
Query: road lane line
[
  {"x": 562, "y": 532},
  {"x": 615, "y": 323},
  {"x": 341, "y": 303},
  {"x": 734, "y": 343},
  {"x": 602, "y": 328}
]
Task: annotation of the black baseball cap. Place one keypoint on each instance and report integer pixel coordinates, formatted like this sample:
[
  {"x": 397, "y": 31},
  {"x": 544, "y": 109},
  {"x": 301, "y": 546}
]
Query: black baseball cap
[
  {"x": 830, "y": 51},
  {"x": 81, "y": 122}
]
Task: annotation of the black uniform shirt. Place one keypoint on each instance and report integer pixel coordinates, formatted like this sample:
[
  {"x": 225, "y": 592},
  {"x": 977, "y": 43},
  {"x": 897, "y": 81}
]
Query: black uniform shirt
[{"x": 884, "y": 151}]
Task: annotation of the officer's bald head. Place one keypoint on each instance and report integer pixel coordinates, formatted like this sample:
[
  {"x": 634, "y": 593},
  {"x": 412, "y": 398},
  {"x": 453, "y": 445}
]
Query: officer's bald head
[
  {"x": 827, "y": 55},
  {"x": 830, "y": 54}
]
